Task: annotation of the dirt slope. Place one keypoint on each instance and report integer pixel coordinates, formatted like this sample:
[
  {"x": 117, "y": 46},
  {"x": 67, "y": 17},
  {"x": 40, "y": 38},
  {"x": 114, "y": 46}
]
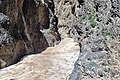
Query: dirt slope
[{"x": 55, "y": 63}]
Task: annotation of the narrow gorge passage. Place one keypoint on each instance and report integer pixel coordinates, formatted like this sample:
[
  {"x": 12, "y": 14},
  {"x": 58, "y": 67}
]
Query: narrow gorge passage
[
  {"x": 55, "y": 63},
  {"x": 59, "y": 39}
]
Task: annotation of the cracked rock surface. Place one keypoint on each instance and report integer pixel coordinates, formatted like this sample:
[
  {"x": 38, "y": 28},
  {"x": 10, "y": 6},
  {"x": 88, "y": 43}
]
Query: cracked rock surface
[{"x": 94, "y": 24}]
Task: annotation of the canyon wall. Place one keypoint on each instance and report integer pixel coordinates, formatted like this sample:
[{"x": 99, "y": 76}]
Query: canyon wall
[
  {"x": 26, "y": 27},
  {"x": 95, "y": 25}
]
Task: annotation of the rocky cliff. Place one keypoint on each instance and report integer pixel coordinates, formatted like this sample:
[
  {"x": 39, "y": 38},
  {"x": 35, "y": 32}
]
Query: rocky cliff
[
  {"x": 22, "y": 23},
  {"x": 95, "y": 25},
  {"x": 30, "y": 26}
]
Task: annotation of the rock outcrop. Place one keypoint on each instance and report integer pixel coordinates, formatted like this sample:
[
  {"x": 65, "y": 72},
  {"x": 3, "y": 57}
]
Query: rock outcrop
[
  {"x": 21, "y": 26},
  {"x": 95, "y": 25}
]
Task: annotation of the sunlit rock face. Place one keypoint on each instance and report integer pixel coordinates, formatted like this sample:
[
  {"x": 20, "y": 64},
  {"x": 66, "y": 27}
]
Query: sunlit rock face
[
  {"x": 95, "y": 25},
  {"x": 21, "y": 25}
]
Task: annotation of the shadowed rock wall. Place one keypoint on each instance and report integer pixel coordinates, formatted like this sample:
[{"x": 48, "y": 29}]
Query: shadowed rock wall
[{"x": 21, "y": 25}]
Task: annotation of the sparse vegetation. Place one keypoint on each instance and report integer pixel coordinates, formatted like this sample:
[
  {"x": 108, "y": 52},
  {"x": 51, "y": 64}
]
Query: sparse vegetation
[
  {"x": 108, "y": 35},
  {"x": 92, "y": 17}
]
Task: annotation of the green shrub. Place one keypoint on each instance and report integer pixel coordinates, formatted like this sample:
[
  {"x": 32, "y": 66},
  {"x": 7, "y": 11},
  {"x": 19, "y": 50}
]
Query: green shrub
[
  {"x": 109, "y": 35},
  {"x": 92, "y": 17}
]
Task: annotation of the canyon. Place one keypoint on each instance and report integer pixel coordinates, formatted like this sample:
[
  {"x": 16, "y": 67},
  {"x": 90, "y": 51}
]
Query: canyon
[{"x": 59, "y": 39}]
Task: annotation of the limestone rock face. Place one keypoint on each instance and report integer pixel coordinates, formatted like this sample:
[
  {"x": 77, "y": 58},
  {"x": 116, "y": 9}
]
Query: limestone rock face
[
  {"x": 94, "y": 24},
  {"x": 20, "y": 25}
]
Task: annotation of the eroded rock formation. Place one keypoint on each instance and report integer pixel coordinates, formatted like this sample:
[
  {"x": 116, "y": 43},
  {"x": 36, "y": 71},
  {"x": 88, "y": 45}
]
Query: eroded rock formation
[
  {"x": 20, "y": 25},
  {"x": 95, "y": 25},
  {"x": 29, "y": 26}
]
